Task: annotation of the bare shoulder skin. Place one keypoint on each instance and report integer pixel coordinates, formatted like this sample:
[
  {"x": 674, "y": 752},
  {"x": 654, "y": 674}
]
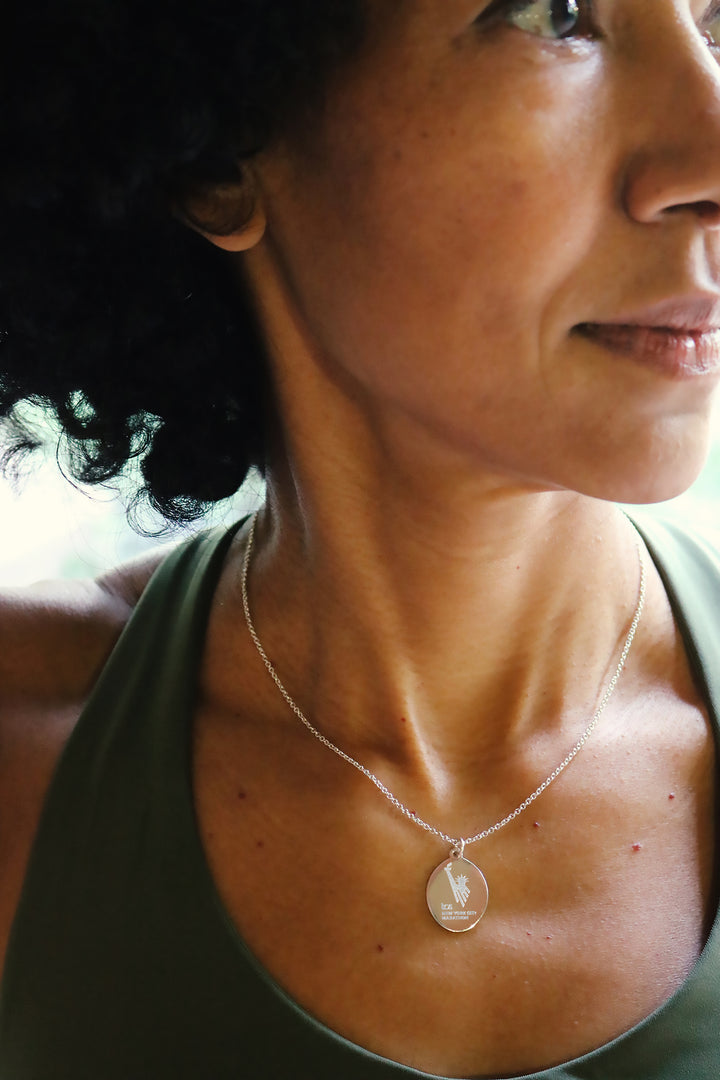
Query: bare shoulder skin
[
  {"x": 56, "y": 635},
  {"x": 55, "y": 638}
]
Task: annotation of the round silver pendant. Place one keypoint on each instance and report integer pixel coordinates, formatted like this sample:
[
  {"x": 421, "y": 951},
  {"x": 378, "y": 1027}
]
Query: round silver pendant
[{"x": 457, "y": 895}]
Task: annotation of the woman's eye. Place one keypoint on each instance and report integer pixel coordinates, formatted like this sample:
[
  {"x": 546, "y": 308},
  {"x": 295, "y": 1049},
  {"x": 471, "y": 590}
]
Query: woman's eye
[
  {"x": 553, "y": 19},
  {"x": 558, "y": 19}
]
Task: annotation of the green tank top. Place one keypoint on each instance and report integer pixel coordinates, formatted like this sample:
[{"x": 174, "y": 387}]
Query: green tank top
[{"x": 123, "y": 963}]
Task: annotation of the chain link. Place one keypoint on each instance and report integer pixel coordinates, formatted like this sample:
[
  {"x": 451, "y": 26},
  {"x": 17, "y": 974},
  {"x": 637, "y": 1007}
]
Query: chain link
[{"x": 458, "y": 844}]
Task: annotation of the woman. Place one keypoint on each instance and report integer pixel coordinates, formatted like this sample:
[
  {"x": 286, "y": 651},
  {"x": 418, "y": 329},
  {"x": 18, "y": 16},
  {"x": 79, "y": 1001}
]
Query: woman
[{"x": 449, "y": 272}]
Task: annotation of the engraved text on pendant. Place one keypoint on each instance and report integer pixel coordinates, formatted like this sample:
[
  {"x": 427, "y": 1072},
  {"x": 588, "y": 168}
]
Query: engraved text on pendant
[{"x": 457, "y": 894}]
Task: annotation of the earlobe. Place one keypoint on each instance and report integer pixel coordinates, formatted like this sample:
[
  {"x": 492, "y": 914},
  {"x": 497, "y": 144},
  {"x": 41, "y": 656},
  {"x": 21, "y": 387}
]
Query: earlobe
[
  {"x": 230, "y": 215},
  {"x": 241, "y": 239}
]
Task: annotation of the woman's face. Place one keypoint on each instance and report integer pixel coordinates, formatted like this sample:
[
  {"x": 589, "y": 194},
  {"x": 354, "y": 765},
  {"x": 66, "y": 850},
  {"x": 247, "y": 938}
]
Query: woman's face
[{"x": 488, "y": 178}]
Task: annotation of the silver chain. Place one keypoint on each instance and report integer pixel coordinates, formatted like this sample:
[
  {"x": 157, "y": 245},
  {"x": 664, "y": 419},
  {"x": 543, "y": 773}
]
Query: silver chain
[{"x": 458, "y": 844}]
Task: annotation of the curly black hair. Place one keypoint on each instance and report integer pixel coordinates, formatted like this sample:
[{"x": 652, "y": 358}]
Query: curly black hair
[{"x": 113, "y": 314}]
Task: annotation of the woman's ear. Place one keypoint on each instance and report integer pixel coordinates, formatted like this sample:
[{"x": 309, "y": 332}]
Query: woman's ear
[{"x": 230, "y": 215}]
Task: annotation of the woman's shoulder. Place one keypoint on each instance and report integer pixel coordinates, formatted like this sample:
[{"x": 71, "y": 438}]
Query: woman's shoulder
[{"x": 55, "y": 636}]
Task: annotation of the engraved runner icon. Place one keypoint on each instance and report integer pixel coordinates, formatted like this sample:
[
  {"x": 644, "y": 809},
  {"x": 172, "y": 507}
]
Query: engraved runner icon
[{"x": 459, "y": 886}]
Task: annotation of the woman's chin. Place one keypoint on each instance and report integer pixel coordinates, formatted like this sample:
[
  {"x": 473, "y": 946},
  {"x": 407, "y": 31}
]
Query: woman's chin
[
  {"x": 651, "y": 466},
  {"x": 656, "y": 485}
]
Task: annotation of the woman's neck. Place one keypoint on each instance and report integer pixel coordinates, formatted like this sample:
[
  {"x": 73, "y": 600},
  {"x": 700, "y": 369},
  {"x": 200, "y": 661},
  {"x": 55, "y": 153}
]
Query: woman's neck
[{"x": 431, "y": 636}]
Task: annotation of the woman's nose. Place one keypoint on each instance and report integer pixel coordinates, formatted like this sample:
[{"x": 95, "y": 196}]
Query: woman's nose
[{"x": 674, "y": 168}]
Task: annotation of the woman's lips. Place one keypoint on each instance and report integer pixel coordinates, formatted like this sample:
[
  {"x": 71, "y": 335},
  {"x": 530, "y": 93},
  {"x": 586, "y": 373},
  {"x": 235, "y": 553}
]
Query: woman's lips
[{"x": 676, "y": 353}]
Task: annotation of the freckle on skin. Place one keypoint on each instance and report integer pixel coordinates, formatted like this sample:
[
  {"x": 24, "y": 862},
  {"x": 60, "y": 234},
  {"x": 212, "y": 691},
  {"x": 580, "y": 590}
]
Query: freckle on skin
[
  {"x": 381, "y": 948},
  {"x": 242, "y": 795},
  {"x": 261, "y": 843}
]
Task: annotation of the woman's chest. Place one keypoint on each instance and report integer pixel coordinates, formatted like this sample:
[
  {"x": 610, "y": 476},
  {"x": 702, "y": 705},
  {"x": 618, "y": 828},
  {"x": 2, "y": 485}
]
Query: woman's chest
[{"x": 600, "y": 902}]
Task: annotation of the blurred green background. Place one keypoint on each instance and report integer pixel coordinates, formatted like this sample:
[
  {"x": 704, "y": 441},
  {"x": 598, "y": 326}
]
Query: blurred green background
[{"x": 52, "y": 528}]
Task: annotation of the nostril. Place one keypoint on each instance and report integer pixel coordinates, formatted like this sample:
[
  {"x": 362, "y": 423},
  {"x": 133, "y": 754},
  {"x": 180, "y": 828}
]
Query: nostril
[
  {"x": 709, "y": 211},
  {"x": 706, "y": 210}
]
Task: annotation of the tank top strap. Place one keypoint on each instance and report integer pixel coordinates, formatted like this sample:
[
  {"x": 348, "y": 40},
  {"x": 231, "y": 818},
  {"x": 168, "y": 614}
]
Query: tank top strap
[
  {"x": 157, "y": 655},
  {"x": 689, "y": 567},
  {"x": 135, "y": 716}
]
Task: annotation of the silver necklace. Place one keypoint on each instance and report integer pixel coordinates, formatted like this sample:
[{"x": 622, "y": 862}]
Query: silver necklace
[{"x": 457, "y": 891}]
